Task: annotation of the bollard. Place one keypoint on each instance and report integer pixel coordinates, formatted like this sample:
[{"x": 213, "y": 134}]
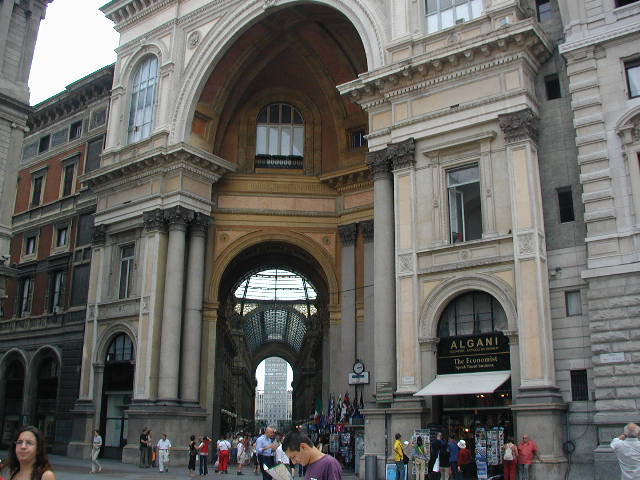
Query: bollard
[{"x": 371, "y": 467}]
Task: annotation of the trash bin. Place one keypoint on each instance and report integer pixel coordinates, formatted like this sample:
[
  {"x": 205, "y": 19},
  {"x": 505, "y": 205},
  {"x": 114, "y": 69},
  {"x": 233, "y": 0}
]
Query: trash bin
[{"x": 370, "y": 467}]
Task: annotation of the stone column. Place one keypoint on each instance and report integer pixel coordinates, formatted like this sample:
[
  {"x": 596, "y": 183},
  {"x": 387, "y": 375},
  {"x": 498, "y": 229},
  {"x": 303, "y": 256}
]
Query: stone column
[
  {"x": 365, "y": 341},
  {"x": 191, "y": 345},
  {"x": 538, "y": 407},
  {"x": 348, "y": 234},
  {"x": 178, "y": 219}
]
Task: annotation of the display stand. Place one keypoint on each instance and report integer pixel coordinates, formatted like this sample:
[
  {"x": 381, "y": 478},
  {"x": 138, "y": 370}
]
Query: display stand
[{"x": 489, "y": 443}]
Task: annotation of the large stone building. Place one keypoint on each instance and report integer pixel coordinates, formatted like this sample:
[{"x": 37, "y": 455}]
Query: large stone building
[
  {"x": 42, "y": 332},
  {"x": 19, "y": 24},
  {"x": 492, "y": 143}
]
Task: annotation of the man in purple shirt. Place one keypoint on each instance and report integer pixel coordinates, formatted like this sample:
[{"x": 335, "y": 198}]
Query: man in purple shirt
[{"x": 300, "y": 450}]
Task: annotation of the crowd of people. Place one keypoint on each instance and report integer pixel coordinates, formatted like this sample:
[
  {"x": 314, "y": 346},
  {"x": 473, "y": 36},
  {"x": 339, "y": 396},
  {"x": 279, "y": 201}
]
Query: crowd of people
[{"x": 449, "y": 459}]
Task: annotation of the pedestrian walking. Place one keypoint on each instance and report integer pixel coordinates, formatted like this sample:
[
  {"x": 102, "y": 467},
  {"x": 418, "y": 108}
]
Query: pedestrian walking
[
  {"x": 95, "y": 451},
  {"x": 627, "y": 449},
  {"x": 224, "y": 453},
  {"x": 28, "y": 456},
  {"x": 193, "y": 454},
  {"x": 509, "y": 459},
  {"x": 464, "y": 461},
  {"x": 244, "y": 453},
  {"x": 164, "y": 447},
  {"x": 453, "y": 448}
]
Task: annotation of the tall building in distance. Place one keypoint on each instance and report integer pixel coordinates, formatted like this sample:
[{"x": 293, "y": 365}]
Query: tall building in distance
[{"x": 276, "y": 395}]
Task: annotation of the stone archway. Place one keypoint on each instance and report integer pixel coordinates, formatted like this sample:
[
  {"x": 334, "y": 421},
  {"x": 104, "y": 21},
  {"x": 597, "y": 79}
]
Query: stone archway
[{"x": 250, "y": 328}]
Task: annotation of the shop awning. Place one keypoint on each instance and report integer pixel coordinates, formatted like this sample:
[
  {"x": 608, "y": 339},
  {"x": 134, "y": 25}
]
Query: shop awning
[{"x": 464, "y": 383}]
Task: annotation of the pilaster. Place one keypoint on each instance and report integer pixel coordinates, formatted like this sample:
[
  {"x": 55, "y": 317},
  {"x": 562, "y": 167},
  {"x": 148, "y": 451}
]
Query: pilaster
[{"x": 348, "y": 235}]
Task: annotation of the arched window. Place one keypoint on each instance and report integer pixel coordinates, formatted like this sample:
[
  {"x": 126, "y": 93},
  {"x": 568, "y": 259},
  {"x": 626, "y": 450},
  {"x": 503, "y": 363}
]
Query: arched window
[
  {"x": 279, "y": 137},
  {"x": 143, "y": 93},
  {"x": 120, "y": 350},
  {"x": 472, "y": 313}
]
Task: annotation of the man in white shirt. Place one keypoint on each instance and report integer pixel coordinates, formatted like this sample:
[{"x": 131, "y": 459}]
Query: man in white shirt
[
  {"x": 281, "y": 457},
  {"x": 627, "y": 448},
  {"x": 164, "y": 445}
]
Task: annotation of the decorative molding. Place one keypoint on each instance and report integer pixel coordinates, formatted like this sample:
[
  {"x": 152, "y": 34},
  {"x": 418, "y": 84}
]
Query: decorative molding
[
  {"x": 348, "y": 234},
  {"x": 518, "y": 126},
  {"x": 154, "y": 220},
  {"x": 366, "y": 228},
  {"x": 396, "y": 156},
  {"x": 178, "y": 217},
  {"x": 193, "y": 39},
  {"x": 200, "y": 224},
  {"x": 526, "y": 244},
  {"x": 99, "y": 234},
  {"x": 405, "y": 263}
]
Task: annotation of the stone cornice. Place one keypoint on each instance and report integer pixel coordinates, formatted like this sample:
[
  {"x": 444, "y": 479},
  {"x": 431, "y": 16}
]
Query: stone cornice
[
  {"x": 161, "y": 160},
  {"x": 125, "y": 12},
  {"x": 401, "y": 77},
  {"x": 610, "y": 34},
  {"x": 351, "y": 179}
]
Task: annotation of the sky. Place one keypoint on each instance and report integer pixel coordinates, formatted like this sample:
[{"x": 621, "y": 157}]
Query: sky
[
  {"x": 74, "y": 40},
  {"x": 260, "y": 376}
]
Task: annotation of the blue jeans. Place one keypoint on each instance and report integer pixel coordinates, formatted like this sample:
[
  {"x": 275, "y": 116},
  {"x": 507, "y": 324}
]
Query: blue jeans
[
  {"x": 402, "y": 470},
  {"x": 523, "y": 471},
  {"x": 202, "y": 465}
]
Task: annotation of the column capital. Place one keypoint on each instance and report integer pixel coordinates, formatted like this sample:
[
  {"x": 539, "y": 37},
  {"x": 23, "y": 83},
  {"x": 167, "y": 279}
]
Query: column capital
[
  {"x": 348, "y": 233},
  {"x": 200, "y": 224},
  {"x": 366, "y": 228},
  {"x": 520, "y": 125},
  {"x": 394, "y": 157},
  {"x": 178, "y": 217},
  {"x": 99, "y": 234},
  {"x": 153, "y": 220}
]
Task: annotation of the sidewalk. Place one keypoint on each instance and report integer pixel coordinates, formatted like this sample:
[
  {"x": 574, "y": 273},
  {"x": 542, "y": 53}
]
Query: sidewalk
[{"x": 75, "y": 469}]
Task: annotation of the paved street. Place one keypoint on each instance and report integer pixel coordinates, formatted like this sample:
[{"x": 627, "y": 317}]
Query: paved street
[{"x": 74, "y": 469}]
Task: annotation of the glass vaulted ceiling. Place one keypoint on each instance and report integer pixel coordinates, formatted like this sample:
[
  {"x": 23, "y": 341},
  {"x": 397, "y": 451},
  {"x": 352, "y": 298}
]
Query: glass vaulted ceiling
[{"x": 276, "y": 305}]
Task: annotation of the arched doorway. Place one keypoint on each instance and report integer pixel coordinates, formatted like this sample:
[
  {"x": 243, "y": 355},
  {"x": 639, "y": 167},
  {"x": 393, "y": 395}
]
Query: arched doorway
[
  {"x": 275, "y": 300},
  {"x": 46, "y": 397},
  {"x": 274, "y": 394},
  {"x": 472, "y": 389},
  {"x": 117, "y": 390},
  {"x": 14, "y": 388}
]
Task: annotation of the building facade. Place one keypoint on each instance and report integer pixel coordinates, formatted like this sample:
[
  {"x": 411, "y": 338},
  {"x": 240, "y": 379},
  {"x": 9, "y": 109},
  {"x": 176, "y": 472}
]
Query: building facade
[
  {"x": 275, "y": 391},
  {"x": 444, "y": 197},
  {"x": 19, "y": 24},
  {"x": 44, "y": 312}
]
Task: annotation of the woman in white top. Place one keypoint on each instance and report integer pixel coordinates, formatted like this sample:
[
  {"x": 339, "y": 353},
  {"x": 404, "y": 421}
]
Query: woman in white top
[{"x": 95, "y": 451}]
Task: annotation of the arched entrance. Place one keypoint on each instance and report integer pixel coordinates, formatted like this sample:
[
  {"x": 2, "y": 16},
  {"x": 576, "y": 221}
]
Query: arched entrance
[
  {"x": 45, "y": 394},
  {"x": 117, "y": 390},
  {"x": 275, "y": 304},
  {"x": 13, "y": 392}
]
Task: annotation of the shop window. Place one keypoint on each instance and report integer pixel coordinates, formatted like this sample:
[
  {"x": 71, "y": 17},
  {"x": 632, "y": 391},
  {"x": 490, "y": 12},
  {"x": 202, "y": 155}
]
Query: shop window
[
  {"x": 62, "y": 236},
  {"x": 552, "y": 87},
  {"x": 443, "y": 14},
  {"x": 143, "y": 97},
  {"x": 573, "y": 303},
  {"x": 579, "y": 386},
  {"x": 30, "y": 244},
  {"x": 37, "y": 186},
  {"x": 632, "y": 70},
  {"x": 565, "y": 205},
  {"x": 94, "y": 149},
  {"x": 68, "y": 174},
  {"x": 279, "y": 137},
  {"x": 471, "y": 314},
  {"x": 80, "y": 286},
  {"x": 622, "y": 3},
  {"x": 44, "y": 143},
  {"x": 120, "y": 349},
  {"x": 76, "y": 130},
  {"x": 25, "y": 297},
  {"x": 58, "y": 284},
  {"x": 126, "y": 270},
  {"x": 543, "y": 10},
  {"x": 465, "y": 212}
]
